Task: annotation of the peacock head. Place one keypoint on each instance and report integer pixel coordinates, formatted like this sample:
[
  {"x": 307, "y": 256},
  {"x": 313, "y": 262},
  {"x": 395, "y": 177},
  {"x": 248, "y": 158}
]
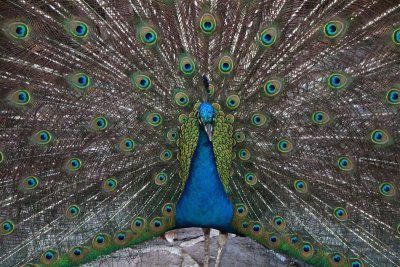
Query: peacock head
[{"x": 206, "y": 117}]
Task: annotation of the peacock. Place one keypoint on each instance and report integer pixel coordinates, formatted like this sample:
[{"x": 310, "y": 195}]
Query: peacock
[{"x": 277, "y": 120}]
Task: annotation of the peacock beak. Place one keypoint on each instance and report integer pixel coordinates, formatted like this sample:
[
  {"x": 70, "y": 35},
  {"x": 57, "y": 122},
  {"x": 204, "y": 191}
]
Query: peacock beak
[{"x": 209, "y": 130}]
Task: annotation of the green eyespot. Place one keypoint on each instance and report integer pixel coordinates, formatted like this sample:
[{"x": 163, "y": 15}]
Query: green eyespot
[
  {"x": 172, "y": 135},
  {"x": 268, "y": 36},
  {"x": 258, "y": 119},
  {"x": 340, "y": 214},
  {"x": 141, "y": 81},
  {"x": 148, "y": 35},
  {"x": 154, "y": 119},
  {"x": 43, "y": 137},
  {"x": 138, "y": 224},
  {"x": 239, "y": 136},
  {"x": 99, "y": 123},
  {"x": 110, "y": 184},
  {"x": 100, "y": 241},
  {"x": 166, "y": 155},
  {"x": 21, "y": 97},
  {"x": 244, "y": 154},
  {"x": 379, "y": 137},
  {"x": 6, "y": 227},
  {"x": 181, "y": 99},
  {"x": 208, "y": 24},
  {"x": 18, "y": 30},
  {"x": 387, "y": 189},
  {"x": 127, "y": 145},
  {"x": 232, "y": 101},
  {"x": 73, "y": 211},
  {"x": 301, "y": 186},
  {"x": 187, "y": 65},
  {"x": 285, "y": 146},
  {"x": 272, "y": 88},
  {"x": 78, "y": 28},
  {"x": 30, "y": 182},
  {"x": 338, "y": 81},
  {"x": 320, "y": 117},
  {"x": 393, "y": 96},
  {"x": 333, "y": 29},
  {"x": 161, "y": 178},
  {"x": 307, "y": 250},
  {"x": 49, "y": 257},
  {"x": 79, "y": 80},
  {"x": 345, "y": 164},
  {"x": 225, "y": 65},
  {"x": 250, "y": 178},
  {"x": 74, "y": 164}
]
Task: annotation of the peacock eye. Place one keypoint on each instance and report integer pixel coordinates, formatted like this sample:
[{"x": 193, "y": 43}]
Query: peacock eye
[
  {"x": 161, "y": 178},
  {"x": 78, "y": 29},
  {"x": 320, "y": 117},
  {"x": 30, "y": 183},
  {"x": 285, "y": 146},
  {"x": 379, "y": 137},
  {"x": 208, "y": 23},
  {"x": 181, "y": 99},
  {"x": 148, "y": 35},
  {"x": 49, "y": 257},
  {"x": 21, "y": 97},
  {"x": 250, "y": 178},
  {"x": 340, "y": 214},
  {"x": 258, "y": 119},
  {"x": 99, "y": 123},
  {"x": 244, "y": 154},
  {"x": 225, "y": 65},
  {"x": 239, "y": 136},
  {"x": 387, "y": 189},
  {"x": 272, "y": 88},
  {"x": 333, "y": 29},
  {"x": 301, "y": 186},
  {"x": 73, "y": 211},
  {"x": 74, "y": 164},
  {"x": 187, "y": 65},
  {"x": 18, "y": 30},
  {"x": 232, "y": 101},
  {"x": 79, "y": 81},
  {"x": 141, "y": 81},
  {"x": 110, "y": 184},
  {"x": 294, "y": 240},
  {"x": 345, "y": 164},
  {"x": 172, "y": 135},
  {"x": 392, "y": 96},
  {"x": 268, "y": 36},
  {"x": 154, "y": 119},
  {"x": 337, "y": 81},
  {"x": 127, "y": 145},
  {"x": 7, "y": 227}
]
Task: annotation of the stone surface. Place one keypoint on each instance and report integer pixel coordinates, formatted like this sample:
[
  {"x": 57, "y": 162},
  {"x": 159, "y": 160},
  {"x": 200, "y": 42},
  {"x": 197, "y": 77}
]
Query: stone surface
[{"x": 187, "y": 250}]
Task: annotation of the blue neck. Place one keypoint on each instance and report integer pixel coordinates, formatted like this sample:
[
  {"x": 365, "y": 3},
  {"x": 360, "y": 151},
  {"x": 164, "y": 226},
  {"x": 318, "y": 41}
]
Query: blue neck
[{"x": 204, "y": 202}]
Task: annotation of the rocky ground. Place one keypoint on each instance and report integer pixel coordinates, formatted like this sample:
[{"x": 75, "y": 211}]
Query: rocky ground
[{"x": 187, "y": 250}]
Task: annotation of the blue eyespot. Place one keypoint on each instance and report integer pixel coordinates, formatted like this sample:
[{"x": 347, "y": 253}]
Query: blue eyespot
[
  {"x": 379, "y": 137},
  {"x": 338, "y": 81},
  {"x": 30, "y": 182},
  {"x": 306, "y": 248},
  {"x": 345, "y": 164},
  {"x": 74, "y": 164},
  {"x": 294, "y": 240},
  {"x": 392, "y": 96},
  {"x": 148, "y": 35},
  {"x": 7, "y": 227},
  {"x": 77, "y": 251},
  {"x": 268, "y": 36},
  {"x": 336, "y": 258},
  {"x": 340, "y": 214},
  {"x": 333, "y": 29},
  {"x": 81, "y": 30},
  {"x": 121, "y": 236},
  {"x": 83, "y": 80},
  {"x": 157, "y": 223},
  {"x": 21, "y": 31},
  {"x": 285, "y": 146},
  {"x": 161, "y": 178},
  {"x": 225, "y": 65},
  {"x": 256, "y": 228},
  {"x": 127, "y": 145},
  {"x": 100, "y": 123},
  {"x": 207, "y": 23},
  {"x": 100, "y": 239},
  {"x": 273, "y": 238},
  {"x": 21, "y": 97},
  {"x": 49, "y": 256},
  {"x": 387, "y": 189}
]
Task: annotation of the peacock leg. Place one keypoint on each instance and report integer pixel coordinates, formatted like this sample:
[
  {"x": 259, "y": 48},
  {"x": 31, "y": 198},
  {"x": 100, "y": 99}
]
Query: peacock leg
[
  {"x": 222, "y": 238},
  {"x": 206, "y": 232}
]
